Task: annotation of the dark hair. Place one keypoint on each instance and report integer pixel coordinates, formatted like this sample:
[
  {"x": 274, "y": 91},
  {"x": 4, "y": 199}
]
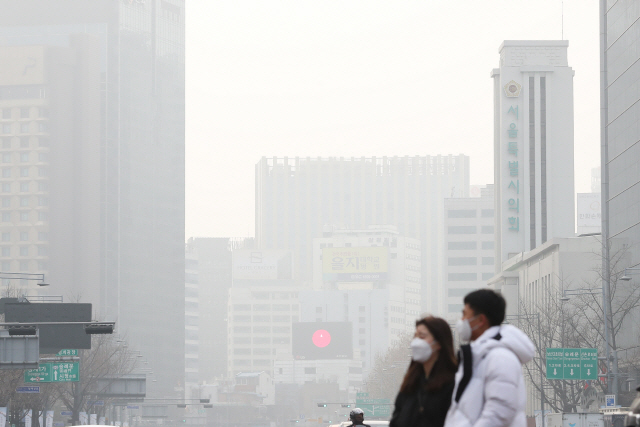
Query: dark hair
[
  {"x": 444, "y": 370},
  {"x": 489, "y": 303}
]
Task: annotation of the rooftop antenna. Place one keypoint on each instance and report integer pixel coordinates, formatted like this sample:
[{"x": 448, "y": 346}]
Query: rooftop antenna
[{"x": 562, "y": 2}]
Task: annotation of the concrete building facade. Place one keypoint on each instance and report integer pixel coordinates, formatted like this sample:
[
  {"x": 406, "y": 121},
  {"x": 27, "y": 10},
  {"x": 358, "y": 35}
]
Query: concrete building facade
[
  {"x": 533, "y": 146},
  {"x": 469, "y": 248}
]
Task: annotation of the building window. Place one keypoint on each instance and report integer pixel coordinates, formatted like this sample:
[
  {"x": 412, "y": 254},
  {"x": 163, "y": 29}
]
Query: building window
[
  {"x": 43, "y": 127},
  {"x": 44, "y": 186},
  {"x": 242, "y": 340},
  {"x": 43, "y": 142},
  {"x": 6, "y": 265},
  {"x": 459, "y": 246},
  {"x": 487, "y": 213},
  {"x": 6, "y": 172},
  {"x": 24, "y": 112},
  {"x": 24, "y": 236},
  {"x": 6, "y": 216},
  {"x": 24, "y": 265},
  {"x": 6, "y": 142},
  {"x": 24, "y": 201},
  {"x": 362, "y": 309},
  {"x": 462, "y": 277},
  {"x": 43, "y": 157},
  {"x": 42, "y": 265},
  {"x": 24, "y": 142},
  {"x": 42, "y": 171},
  {"x": 282, "y": 319},
  {"x": 455, "y": 308},
  {"x": 241, "y": 318},
  {"x": 24, "y": 250},
  {"x": 24, "y": 127},
  {"x": 43, "y": 216},
  {"x": 309, "y": 370},
  {"x": 6, "y": 187},
  {"x": 6, "y": 128},
  {"x": 6, "y": 251},
  {"x": 362, "y": 319},
  {"x": 43, "y": 251},
  {"x": 43, "y": 201},
  {"x": 487, "y": 245},
  {"x": 6, "y": 237},
  {"x": 487, "y": 229},
  {"x": 461, "y": 213},
  {"x": 6, "y": 202},
  {"x": 487, "y": 260},
  {"x": 6, "y": 113},
  {"x": 262, "y": 319},
  {"x": 261, "y": 307},
  {"x": 24, "y": 187},
  {"x": 24, "y": 157},
  {"x": 362, "y": 342},
  {"x": 6, "y": 158},
  {"x": 462, "y": 229},
  {"x": 281, "y": 329},
  {"x": 362, "y": 331},
  {"x": 261, "y": 329},
  {"x": 463, "y": 261},
  {"x": 457, "y": 292},
  {"x": 43, "y": 112},
  {"x": 24, "y": 216},
  {"x": 24, "y": 172},
  {"x": 487, "y": 276}
]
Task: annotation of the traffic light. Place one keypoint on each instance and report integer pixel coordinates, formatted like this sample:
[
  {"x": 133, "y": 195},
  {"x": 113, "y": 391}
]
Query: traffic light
[{"x": 322, "y": 405}]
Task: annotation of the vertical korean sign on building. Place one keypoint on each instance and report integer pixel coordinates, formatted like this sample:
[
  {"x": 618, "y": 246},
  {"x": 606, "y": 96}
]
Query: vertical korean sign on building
[{"x": 511, "y": 124}]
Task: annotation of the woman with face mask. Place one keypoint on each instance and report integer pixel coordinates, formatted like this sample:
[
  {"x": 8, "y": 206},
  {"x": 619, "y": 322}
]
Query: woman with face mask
[{"x": 425, "y": 394}]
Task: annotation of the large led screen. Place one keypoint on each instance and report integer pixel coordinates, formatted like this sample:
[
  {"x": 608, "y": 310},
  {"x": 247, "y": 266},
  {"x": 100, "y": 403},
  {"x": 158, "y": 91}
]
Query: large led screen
[{"x": 322, "y": 340}]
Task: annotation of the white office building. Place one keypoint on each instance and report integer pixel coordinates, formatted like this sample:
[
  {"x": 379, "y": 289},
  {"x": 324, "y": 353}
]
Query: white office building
[
  {"x": 533, "y": 146},
  {"x": 469, "y": 248}
]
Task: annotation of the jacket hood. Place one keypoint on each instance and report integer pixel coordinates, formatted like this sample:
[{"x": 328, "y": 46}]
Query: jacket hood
[{"x": 512, "y": 339}]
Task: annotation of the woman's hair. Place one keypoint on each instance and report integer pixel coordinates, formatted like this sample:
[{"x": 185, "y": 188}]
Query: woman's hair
[{"x": 444, "y": 370}]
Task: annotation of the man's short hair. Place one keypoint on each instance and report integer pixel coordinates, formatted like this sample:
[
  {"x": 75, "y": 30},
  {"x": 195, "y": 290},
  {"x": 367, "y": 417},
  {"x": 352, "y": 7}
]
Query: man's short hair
[{"x": 489, "y": 303}]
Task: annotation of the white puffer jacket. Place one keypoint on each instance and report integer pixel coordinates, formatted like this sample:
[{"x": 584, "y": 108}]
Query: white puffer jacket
[{"x": 495, "y": 396}]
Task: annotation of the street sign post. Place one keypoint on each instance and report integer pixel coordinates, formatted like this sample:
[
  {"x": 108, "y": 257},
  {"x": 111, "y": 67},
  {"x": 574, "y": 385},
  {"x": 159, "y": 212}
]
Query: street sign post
[
  {"x": 53, "y": 373},
  {"x": 572, "y": 363},
  {"x": 68, "y": 352},
  {"x": 375, "y": 407},
  {"x": 610, "y": 400}
]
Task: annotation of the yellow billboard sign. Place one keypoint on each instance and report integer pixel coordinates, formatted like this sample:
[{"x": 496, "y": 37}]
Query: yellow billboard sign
[{"x": 367, "y": 264}]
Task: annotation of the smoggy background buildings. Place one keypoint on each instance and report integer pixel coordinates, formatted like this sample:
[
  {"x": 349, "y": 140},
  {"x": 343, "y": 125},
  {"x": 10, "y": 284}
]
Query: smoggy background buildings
[{"x": 92, "y": 98}]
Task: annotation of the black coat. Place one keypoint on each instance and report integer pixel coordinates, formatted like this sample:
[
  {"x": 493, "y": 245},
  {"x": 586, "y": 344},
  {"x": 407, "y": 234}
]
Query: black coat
[{"x": 422, "y": 408}]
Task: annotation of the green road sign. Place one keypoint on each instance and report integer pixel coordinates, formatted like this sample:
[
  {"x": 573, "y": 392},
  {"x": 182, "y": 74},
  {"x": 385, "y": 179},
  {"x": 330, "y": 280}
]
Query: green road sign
[
  {"x": 67, "y": 352},
  {"x": 375, "y": 407},
  {"x": 555, "y": 357},
  {"x": 362, "y": 395},
  {"x": 572, "y": 363},
  {"x": 53, "y": 373}
]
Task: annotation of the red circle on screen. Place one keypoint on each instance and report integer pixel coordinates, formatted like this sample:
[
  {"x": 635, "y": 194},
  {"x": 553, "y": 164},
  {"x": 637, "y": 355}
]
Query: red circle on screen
[{"x": 321, "y": 338}]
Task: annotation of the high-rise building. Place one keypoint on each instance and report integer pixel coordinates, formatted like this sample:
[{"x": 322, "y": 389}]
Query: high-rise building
[
  {"x": 297, "y": 197},
  {"x": 93, "y": 146},
  {"x": 621, "y": 172},
  {"x": 533, "y": 146},
  {"x": 192, "y": 376},
  {"x": 469, "y": 248}
]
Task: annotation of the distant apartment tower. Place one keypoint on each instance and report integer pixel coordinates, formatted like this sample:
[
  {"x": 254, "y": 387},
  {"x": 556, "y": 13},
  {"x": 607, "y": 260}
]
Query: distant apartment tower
[
  {"x": 192, "y": 376},
  {"x": 214, "y": 282},
  {"x": 533, "y": 146},
  {"x": 469, "y": 248},
  {"x": 297, "y": 197},
  {"x": 369, "y": 277},
  {"x": 93, "y": 145}
]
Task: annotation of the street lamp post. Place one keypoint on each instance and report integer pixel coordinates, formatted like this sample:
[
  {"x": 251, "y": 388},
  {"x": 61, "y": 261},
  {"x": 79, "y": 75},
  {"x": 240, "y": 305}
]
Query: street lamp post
[{"x": 24, "y": 276}]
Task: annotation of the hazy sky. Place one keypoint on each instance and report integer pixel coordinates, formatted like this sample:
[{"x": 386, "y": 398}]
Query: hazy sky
[{"x": 358, "y": 78}]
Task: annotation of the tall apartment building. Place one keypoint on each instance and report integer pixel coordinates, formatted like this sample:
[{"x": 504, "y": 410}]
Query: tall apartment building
[
  {"x": 214, "y": 280},
  {"x": 192, "y": 377},
  {"x": 469, "y": 248},
  {"x": 533, "y": 146},
  {"x": 92, "y": 99},
  {"x": 297, "y": 197}
]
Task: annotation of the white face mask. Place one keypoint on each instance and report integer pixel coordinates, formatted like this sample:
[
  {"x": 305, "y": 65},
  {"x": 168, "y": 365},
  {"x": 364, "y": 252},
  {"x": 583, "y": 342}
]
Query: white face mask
[
  {"x": 464, "y": 329},
  {"x": 421, "y": 350}
]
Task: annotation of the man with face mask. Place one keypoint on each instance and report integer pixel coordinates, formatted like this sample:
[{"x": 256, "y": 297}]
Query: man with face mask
[{"x": 490, "y": 389}]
